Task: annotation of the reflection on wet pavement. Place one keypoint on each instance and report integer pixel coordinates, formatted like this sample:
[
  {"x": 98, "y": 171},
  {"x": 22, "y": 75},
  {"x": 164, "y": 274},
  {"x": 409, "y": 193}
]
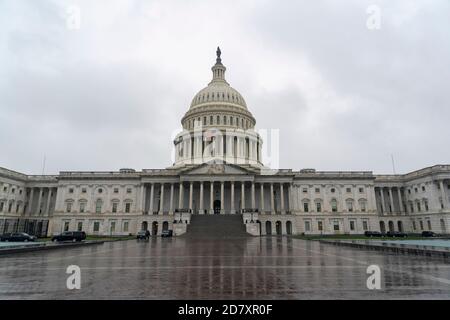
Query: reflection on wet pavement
[{"x": 239, "y": 268}]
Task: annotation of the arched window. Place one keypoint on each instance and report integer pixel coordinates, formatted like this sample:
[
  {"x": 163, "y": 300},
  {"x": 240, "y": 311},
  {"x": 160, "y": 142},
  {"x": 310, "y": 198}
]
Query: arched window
[
  {"x": 363, "y": 205},
  {"x": 349, "y": 204},
  {"x": 333, "y": 205},
  {"x": 98, "y": 206},
  {"x": 69, "y": 204}
]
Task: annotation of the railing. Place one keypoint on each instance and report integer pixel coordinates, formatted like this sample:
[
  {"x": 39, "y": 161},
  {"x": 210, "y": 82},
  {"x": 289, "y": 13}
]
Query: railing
[{"x": 183, "y": 210}]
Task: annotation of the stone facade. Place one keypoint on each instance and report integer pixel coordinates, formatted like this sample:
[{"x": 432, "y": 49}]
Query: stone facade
[{"x": 218, "y": 170}]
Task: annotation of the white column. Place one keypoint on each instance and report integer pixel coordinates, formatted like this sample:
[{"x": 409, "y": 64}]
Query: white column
[
  {"x": 272, "y": 201},
  {"x": 400, "y": 202},
  {"x": 171, "y": 199},
  {"x": 201, "y": 199},
  {"x": 142, "y": 198},
  {"x": 382, "y": 200},
  {"x": 444, "y": 200},
  {"x": 282, "y": 197},
  {"x": 152, "y": 193},
  {"x": 262, "y": 199},
  {"x": 39, "y": 202},
  {"x": 232, "y": 197},
  {"x": 391, "y": 198},
  {"x": 242, "y": 195},
  {"x": 253, "y": 196},
  {"x": 290, "y": 198},
  {"x": 222, "y": 197},
  {"x": 191, "y": 191},
  {"x": 161, "y": 200},
  {"x": 211, "y": 198},
  {"x": 180, "y": 198},
  {"x": 47, "y": 207}
]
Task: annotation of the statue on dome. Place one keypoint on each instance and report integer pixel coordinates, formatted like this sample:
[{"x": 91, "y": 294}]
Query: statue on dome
[{"x": 218, "y": 52}]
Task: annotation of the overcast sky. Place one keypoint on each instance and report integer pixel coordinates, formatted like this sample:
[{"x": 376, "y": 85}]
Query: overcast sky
[{"x": 112, "y": 93}]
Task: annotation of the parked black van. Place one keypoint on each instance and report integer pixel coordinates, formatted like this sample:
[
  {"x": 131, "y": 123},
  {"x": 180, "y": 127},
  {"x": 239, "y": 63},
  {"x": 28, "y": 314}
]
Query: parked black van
[{"x": 70, "y": 236}]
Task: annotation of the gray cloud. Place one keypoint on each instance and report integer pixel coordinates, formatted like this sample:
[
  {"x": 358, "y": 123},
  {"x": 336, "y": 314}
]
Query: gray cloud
[{"x": 111, "y": 94}]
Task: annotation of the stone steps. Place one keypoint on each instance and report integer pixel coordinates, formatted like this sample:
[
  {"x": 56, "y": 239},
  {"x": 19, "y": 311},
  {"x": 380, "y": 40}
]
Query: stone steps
[{"x": 216, "y": 226}]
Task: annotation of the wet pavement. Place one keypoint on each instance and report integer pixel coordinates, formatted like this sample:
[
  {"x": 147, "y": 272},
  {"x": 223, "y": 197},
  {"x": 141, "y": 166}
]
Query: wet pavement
[{"x": 238, "y": 268}]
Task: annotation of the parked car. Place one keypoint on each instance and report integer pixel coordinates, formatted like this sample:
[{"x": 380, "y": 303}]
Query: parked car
[
  {"x": 429, "y": 234},
  {"x": 70, "y": 236},
  {"x": 17, "y": 237},
  {"x": 166, "y": 233},
  {"x": 396, "y": 234},
  {"x": 143, "y": 234},
  {"x": 373, "y": 234}
]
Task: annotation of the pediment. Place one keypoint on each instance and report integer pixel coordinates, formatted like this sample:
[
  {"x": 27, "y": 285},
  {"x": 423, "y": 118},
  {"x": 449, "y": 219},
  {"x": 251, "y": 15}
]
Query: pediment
[{"x": 216, "y": 169}]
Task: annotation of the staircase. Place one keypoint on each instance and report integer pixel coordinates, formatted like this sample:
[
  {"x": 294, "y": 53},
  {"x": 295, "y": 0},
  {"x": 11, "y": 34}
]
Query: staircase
[{"x": 216, "y": 226}]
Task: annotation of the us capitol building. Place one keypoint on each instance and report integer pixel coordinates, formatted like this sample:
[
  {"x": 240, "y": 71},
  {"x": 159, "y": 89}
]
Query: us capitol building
[{"x": 218, "y": 170}]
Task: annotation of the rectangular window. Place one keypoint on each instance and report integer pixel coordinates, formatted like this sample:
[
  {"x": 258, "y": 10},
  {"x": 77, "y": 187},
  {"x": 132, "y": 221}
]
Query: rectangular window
[
  {"x": 80, "y": 226},
  {"x": 317, "y": 190},
  {"x": 82, "y": 207},
  {"x": 125, "y": 226},
  {"x": 429, "y": 224},
  {"x": 418, "y": 207},
  {"x": 1, "y": 206},
  {"x": 70, "y": 190},
  {"x": 69, "y": 206},
  {"x": 114, "y": 207},
  {"x": 336, "y": 225},
  {"x": 116, "y": 190},
  {"x": 127, "y": 207},
  {"x": 129, "y": 190},
  {"x": 96, "y": 226},
  {"x": 426, "y": 205},
  {"x": 112, "y": 228},
  {"x": 66, "y": 225},
  {"x": 352, "y": 225},
  {"x": 320, "y": 225},
  {"x": 421, "y": 224},
  {"x": 305, "y": 207},
  {"x": 83, "y": 190},
  {"x": 365, "y": 226},
  {"x": 361, "y": 190},
  {"x": 423, "y": 188},
  {"x": 414, "y": 225},
  {"x": 348, "y": 190},
  {"x": 307, "y": 226},
  {"x": 318, "y": 207},
  {"x": 305, "y": 190},
  {"x": 412, "y": 207}
]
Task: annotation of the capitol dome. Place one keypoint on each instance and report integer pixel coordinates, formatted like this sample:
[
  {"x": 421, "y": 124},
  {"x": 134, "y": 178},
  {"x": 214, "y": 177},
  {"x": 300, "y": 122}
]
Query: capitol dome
[
  {"x": 218, "y": 126},
  {"x": 218, "y": 104}
]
